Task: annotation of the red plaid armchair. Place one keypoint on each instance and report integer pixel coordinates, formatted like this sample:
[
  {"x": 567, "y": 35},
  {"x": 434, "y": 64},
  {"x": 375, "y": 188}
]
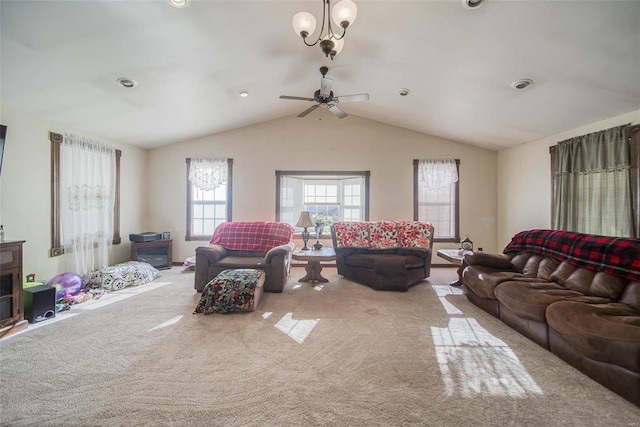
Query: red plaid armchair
[{"x": 265, "y": 246}]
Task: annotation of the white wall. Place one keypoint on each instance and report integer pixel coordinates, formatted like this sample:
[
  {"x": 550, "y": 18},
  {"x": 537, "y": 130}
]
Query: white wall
[
  {"x": 353, "y": 143},
  {"x": 25, "y": 192},
  {"x": 524, "y": 180}
]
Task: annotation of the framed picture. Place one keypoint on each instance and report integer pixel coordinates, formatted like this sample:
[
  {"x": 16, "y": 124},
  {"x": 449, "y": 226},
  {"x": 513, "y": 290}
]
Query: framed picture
[{"x": 166, "y": 235}]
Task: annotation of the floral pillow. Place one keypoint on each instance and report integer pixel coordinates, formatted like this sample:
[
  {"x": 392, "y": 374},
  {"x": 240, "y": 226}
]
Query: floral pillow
[
  {"x": 383, "y": 235},
  {"x": 415, "y": 234},
  {"x": 352, "y": 234}
]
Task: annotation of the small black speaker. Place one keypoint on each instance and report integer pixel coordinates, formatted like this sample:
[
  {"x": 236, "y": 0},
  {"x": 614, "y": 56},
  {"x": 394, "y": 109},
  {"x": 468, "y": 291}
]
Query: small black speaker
[{"x": 39, "y": 303}]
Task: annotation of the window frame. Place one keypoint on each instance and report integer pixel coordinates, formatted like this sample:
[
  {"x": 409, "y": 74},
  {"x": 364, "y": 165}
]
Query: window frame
[
  {"x": 364, "y": 174},
  {"x": 193, "y": 237},
  {"x": 57, "y": 248},
  {"x": 456, "y": 238}
]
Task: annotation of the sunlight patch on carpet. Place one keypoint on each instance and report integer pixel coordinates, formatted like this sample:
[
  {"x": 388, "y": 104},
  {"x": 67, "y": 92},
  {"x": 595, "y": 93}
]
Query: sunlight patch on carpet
[
  {"x": 472, "y": 361},
  {"x": 167, "y": 323},
  {"x": 299, "y": 330}
]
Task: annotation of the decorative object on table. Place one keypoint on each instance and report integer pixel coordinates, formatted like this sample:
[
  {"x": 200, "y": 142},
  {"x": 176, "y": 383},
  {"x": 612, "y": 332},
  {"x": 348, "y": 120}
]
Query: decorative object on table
[
  {"x": 467, "y": 244},
  {"x": 344, "y": 12},
  {"x": 305, "y": 221},
  {"x": 320, "y": 221},
  {"x": 166, "y": 235}
]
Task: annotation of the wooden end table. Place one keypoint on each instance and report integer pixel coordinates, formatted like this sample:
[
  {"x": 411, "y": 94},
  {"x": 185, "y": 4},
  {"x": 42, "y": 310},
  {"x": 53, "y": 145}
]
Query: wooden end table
[
  {"x": 454, "y": 257},
  {"x": 313, "y": 258}
]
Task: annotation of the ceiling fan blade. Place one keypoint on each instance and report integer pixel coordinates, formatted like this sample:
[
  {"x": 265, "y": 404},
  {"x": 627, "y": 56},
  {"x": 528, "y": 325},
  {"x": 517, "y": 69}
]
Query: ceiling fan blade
[
  {"x": 299, "y": 98},
  {"x": 353, "y": 98},
  {"x": 308, "y": 110},
  {"x": 338, "y": 112},
  {"x": 325, "y": 86}
]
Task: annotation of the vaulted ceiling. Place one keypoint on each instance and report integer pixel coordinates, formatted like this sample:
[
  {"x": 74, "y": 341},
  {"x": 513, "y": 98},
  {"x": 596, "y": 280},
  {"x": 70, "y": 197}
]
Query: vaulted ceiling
[{"x": 61, "y": 59}]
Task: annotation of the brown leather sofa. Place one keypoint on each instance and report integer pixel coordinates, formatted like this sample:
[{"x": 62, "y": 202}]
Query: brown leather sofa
[
  {"x": 264, "y": 246},
  {"x": 385, "y": 255},
  {"x": 574, "y": 294}
]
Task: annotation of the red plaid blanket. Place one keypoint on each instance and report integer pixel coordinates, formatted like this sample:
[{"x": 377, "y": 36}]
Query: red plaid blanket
[
  {"x": 614, "y": 255},
  {"x": 252, "y": 236}
]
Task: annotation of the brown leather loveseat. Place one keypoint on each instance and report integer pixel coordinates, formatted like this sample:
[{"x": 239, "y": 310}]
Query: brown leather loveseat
[
  {"x": 265, "y": 246},
  {"x": 577, "y": 295},
  {"x": 385, "y": 255}
]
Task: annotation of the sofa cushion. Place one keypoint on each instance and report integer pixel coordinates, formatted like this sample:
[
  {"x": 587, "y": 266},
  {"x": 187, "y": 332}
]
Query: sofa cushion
[
  {"x": 608, "y": 333},
  {"x": 383, "y": 234},
  {"x": 530, "y": 300},
  {"x": 631, "y": 295},
  {"x": 482, "y": 280},
  {"x": 239, "y": 262},
  {"x": 415, "y": 234},
  {"x": 369, "y": 260},
  {"x": 351, "y": 234}
]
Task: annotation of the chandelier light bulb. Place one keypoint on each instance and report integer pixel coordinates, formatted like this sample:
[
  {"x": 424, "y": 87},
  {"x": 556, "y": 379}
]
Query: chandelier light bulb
[
  {"x": 338, "y": 45},
  {"x": 304, "y": 24},
  {"x": 344, "y": 13}
]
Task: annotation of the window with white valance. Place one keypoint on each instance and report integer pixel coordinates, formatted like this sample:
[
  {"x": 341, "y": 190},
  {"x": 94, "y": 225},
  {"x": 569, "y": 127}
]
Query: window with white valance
[
  {"x": 436, "y": 185},
  {"x": 208, "y": 195}
]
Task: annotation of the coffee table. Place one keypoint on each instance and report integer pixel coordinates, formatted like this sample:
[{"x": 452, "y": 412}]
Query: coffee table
[{"x": 313, "y": 258}]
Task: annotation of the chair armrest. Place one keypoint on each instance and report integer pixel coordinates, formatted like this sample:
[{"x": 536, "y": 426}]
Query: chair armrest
[
  {"x": 211, "y": 253},
  {"x": 279, "y": 250}
]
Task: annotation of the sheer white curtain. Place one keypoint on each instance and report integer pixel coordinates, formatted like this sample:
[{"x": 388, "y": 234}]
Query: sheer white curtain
[
  {"x": 436, "y": 174},
  {"x": 208, "y": 173},
  {"x": 88, "y": 185}
]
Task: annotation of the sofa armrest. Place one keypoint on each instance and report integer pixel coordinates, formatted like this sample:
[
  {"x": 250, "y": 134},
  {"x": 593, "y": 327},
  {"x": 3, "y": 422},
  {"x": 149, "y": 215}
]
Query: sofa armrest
[
  {"x": 279, "y": 250},
  {"x": 496, "y": 261},
  {"x": 211, "y": 253}
]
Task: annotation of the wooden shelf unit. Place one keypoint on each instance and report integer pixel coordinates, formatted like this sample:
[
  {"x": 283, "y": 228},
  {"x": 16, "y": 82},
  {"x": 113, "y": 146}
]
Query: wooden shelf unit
[{"x": 11, "y": 310}]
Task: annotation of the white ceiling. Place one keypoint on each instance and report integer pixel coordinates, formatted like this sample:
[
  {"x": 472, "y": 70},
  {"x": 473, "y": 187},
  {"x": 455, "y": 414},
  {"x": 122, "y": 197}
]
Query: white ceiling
[{"x": 61, "y": 59}]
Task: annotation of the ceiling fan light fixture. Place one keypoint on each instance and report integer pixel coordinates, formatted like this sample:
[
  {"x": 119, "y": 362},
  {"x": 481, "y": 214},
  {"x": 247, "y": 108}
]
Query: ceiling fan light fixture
[
  {"x": 179, "y": 3},
  {"x": 522, "y": 84},
  {"x": 473, "y": 4},
  {"x": 128, "y": 83},
  {"x": 344, "y": 12}
]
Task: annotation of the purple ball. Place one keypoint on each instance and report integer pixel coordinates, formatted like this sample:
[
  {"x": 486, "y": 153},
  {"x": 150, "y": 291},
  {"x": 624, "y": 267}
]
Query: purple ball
[{"x": 66, "y": 284}]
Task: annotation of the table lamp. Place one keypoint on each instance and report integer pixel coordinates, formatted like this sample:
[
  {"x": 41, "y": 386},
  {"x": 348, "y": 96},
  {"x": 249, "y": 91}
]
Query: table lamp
[{"x": 305, "y": 221}]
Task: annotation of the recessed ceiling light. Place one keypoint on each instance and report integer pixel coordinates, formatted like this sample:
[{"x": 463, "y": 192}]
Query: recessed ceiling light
[
  {"x": 128, "y": 83},
  {"x": 243, "y": 93},
  {"x": 522, "y": 84},
  {"x": 473, "y": 4},
  {"x": 404, "y": 92},
  {"x": 179, "y": 3}
]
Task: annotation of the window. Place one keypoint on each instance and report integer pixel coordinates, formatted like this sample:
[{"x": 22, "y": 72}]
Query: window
[
  {"x": 343, "y": 196},
  {"x": 438, "y": 204},
  {"x": 57, "y": 192},
  {"x": 208, "y": 196}
]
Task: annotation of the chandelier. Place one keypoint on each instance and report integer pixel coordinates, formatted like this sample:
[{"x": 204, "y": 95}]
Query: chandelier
[{"x": 343, "y": 13}]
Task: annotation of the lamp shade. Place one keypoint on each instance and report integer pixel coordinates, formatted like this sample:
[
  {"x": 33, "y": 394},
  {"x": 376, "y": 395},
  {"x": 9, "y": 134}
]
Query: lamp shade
[
  {"x": 344, "y": 13},
  {"x": 339, "y": 44},
  {"x": 304, "y": 22},
  {"x": 305, "y": 220}
]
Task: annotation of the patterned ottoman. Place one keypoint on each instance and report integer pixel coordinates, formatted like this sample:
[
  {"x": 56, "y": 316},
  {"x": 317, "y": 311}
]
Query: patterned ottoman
[{"x": 232, "y": 290}]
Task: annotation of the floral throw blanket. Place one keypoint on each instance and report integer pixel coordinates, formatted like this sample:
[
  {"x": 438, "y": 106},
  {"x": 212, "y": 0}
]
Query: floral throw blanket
[
  {"x": 618, "y": 256},
  {"x": 231, "y": 290}
]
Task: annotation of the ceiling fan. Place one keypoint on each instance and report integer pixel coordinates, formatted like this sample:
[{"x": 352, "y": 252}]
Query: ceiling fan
[{"x": 324, "y": 97}]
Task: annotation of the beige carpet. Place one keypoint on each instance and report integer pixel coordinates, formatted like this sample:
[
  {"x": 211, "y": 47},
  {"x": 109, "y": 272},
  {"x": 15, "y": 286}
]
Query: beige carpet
[{"x": 339, "y": 354}]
